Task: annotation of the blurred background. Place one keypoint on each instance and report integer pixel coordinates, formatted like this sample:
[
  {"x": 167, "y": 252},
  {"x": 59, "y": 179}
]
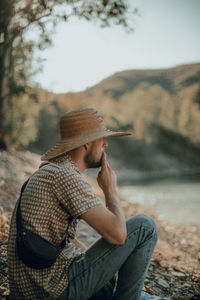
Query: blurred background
[{"x": 136, "y": 62}]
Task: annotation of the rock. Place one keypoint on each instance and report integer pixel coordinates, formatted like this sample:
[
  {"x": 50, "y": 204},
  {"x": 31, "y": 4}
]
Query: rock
[
  {"x": 178, "y": 274},
  {"x": 163, "y": 282}
]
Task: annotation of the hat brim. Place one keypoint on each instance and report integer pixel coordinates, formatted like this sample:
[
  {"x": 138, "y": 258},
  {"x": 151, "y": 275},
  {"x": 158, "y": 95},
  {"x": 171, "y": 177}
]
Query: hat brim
[{"x": 66, "y": 145}]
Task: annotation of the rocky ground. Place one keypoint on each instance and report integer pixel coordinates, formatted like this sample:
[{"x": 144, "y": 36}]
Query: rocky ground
[{"x": 175, "y": 267}]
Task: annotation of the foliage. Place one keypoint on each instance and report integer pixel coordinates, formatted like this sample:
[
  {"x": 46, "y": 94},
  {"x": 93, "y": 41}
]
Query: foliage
[
  {"x": 21, "y": 121},
  {"x": 47, "y": 129},
  {"x": 17, "y": 17}
]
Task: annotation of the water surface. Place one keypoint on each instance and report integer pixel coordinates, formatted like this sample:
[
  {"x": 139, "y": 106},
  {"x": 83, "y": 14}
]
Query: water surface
[{"x": 173, "y": 200}]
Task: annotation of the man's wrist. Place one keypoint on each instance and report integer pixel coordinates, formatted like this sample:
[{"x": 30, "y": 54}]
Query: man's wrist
[{"x": 111, "y": 192}]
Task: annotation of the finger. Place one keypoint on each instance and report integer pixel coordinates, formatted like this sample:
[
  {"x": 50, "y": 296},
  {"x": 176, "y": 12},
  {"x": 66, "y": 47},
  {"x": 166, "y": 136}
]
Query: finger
[
  {"x": 104, "y": 161},
  {"x": 108, "y": 165}
]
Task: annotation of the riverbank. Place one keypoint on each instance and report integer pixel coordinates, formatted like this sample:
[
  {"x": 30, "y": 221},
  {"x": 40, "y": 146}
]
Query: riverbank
[{"x": 174, "y": 271}]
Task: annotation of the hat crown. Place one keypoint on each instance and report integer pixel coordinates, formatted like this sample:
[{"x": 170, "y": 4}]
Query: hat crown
[{"x": 79, "y": 123}]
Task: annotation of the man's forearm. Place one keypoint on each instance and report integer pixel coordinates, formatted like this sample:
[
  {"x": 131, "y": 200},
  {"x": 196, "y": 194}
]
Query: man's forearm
[{"x": 113, "y": 204}]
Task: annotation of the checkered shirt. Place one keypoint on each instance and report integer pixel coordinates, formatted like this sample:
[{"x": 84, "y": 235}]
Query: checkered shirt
[{"x": 52, "y": 203}]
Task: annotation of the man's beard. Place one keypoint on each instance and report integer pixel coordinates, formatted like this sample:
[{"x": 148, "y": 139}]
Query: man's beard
[{"x": 90, "y": 162}]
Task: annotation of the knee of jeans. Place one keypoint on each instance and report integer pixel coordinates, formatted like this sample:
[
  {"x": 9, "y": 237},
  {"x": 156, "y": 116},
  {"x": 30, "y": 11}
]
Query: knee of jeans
[{"x": 144, "y": 220}]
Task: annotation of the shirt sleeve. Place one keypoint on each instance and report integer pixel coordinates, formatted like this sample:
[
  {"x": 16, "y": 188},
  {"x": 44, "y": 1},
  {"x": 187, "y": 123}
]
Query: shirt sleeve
[{"x": 74, "y": 192}]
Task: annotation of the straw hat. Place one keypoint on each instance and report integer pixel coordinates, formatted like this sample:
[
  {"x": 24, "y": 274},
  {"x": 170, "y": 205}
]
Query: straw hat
[{"x": 77, "y": 128}]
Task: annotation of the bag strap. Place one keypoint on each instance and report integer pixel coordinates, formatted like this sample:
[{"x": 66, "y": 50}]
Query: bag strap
[{"x": 19, "y": 216}]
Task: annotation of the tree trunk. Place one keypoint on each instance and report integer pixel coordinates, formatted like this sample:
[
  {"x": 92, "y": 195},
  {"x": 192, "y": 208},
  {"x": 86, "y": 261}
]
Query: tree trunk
[{"x": 4, "y": 92}]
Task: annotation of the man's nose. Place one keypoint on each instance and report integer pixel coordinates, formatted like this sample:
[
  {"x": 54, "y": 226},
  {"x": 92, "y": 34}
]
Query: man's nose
[{"x": 105, "y": 144}]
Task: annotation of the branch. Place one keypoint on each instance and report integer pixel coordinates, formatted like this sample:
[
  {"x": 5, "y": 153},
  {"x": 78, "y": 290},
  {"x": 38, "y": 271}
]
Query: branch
[{"x": 35, "y": 20}]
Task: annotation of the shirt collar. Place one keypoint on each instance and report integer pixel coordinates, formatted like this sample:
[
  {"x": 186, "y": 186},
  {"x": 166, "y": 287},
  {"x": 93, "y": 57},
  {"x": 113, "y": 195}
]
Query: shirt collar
[{"x": 64, "y": 159}]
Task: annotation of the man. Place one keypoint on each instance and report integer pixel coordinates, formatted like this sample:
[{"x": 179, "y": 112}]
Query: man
[{"x": 55, "y": 198}]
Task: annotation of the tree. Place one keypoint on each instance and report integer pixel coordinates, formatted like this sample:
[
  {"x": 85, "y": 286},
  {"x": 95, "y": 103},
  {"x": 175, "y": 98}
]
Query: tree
[{"x": 18, "y": 16}]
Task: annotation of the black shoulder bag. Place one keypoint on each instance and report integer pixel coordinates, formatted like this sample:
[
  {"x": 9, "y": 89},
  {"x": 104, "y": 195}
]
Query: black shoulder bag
[{"x": 33, "y": 250}]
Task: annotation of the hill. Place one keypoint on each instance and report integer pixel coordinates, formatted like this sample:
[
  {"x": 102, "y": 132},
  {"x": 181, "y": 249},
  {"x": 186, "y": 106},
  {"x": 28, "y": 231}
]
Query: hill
[
  {"x": 138, "y": 99},
  {"x": 162, "y": 107}
]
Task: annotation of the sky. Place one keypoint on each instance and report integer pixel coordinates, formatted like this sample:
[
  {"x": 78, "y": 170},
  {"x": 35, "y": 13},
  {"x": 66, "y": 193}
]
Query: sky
[{"x": 166, "y": 34}]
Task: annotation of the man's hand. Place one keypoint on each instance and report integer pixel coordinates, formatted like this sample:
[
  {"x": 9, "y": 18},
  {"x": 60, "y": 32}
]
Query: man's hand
[
  {"x": 109, "y": 221},
  {"x": 106, "y": 179}
]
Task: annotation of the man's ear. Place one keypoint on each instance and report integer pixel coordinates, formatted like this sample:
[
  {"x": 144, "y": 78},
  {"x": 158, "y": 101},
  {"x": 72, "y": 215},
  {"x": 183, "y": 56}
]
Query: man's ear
[{"x": 86, "y": 146}]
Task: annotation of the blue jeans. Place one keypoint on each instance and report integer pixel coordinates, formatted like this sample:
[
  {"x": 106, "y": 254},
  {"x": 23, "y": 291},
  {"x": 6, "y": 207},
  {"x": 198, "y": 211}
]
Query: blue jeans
[{"x": 91, "y": 278}]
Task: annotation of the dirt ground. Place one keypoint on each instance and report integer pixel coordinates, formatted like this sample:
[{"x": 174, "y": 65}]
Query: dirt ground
[{"x": 175, "y": 267}]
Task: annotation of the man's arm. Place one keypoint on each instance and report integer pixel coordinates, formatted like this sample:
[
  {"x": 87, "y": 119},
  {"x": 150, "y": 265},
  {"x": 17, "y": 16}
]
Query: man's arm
[{"x": 109, "y": 221}]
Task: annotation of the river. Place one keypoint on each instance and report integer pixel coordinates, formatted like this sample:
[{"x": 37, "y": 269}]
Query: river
[{"x": 172, "y": 200}]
